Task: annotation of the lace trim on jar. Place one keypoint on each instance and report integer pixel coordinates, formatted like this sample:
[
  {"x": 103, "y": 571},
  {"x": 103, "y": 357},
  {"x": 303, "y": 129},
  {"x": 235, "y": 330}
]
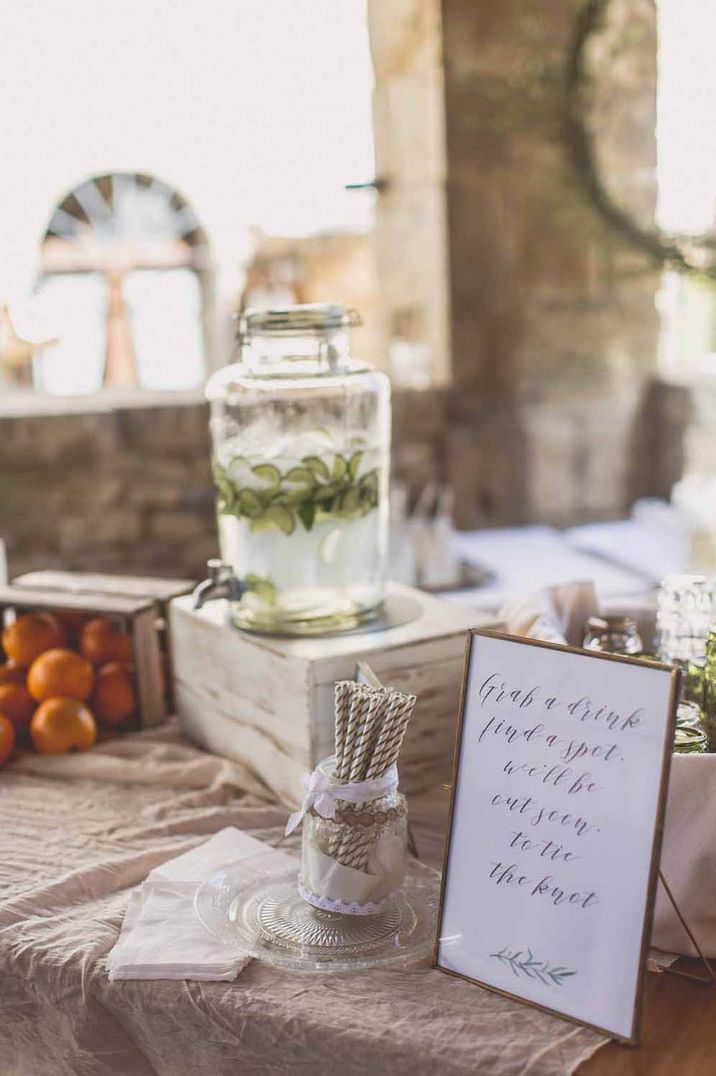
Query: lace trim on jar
[{"x": 326, "y": 904}]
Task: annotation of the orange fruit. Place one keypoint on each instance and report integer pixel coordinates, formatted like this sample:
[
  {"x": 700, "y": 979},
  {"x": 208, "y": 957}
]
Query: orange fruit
[
  {"x": 72, "y": 622},
  {"x": 10, "y": 673},
  {"x": 114, "y": 698},
  {"x": 17, "y": 704},
  {"x": 102, "y": 641},
  {"x": 7, "y": 738},
  {"x": 72, "y": 619},
  {"x": 60, "y": 672},
  {"x": 62, "y": 724},
  {"x": 30, "y": 636}
]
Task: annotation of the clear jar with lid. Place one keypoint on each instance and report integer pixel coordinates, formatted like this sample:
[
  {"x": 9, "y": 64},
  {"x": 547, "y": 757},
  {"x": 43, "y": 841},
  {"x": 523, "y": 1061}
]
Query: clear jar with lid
[
  {"x": 355, "y": 863},
  {"x": 690, "y": 736},
  {"x": 612, "y": 635},
  {"x": 685, "y": 615},
  {"x": 301, "y": 443}
]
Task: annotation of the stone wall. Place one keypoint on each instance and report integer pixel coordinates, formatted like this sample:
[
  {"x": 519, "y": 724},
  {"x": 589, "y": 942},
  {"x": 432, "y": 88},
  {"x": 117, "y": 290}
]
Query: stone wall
[
  {"x": 553, "y": 324},
  {"x": 113, "y": 485},
  {"x": 110, "y": 488}
]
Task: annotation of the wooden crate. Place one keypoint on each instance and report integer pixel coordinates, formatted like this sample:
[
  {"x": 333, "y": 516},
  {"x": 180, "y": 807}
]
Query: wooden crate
[
  {"x": 138, "y": 605},
  {"x": 161, "y": 591},
  {"x": 268, "y": 702}
]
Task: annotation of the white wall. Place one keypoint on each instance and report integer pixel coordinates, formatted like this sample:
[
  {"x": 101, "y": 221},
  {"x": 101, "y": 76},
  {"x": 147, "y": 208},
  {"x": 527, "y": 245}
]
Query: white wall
[
  {"x": 258, "y": 111},
  {"x": 686, "y": 135}
]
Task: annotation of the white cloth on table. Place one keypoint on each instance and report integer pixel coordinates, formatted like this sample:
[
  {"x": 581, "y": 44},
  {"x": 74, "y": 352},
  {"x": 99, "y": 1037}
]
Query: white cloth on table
[
  {"x": 688, "y": 853},
  {"x": 162, "y": 937},
  {"x": 75, "y": 838}
]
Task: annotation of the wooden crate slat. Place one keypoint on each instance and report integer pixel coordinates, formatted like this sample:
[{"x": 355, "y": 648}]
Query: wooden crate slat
[
  {"x": 148, "y": 666},
  {"x": 112, "y": 604},
  {"x": 131, "y": 586}
]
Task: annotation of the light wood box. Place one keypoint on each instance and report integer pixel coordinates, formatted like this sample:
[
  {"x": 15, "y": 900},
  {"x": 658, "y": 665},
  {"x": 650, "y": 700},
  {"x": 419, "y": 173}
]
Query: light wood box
[
  {"x": 268, "y": 702},
  {"x": 136, "y": 603}
]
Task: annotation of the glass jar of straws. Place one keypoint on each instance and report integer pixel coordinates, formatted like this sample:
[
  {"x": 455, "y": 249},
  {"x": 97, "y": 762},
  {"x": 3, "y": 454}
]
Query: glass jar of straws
[
  {"x": 355, "y": 862},
  {"x": 355, "y": 821}
]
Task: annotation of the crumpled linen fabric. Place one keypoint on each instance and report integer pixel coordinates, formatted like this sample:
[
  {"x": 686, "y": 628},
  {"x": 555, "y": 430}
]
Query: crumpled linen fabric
[{"x": 77, "y": 832}]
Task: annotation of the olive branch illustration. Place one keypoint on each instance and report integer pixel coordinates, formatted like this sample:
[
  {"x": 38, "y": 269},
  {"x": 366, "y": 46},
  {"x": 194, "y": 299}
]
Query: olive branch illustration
[{"x": 522, "y": 964}]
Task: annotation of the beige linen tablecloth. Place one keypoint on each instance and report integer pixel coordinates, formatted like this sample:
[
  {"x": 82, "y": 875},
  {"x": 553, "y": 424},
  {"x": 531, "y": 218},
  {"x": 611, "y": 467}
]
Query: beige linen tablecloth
[{"x": 77, "y": 831}]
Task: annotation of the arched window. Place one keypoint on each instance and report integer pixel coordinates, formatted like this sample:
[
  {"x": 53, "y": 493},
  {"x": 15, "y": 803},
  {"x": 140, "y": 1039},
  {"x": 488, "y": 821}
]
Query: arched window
[{"x": 125, "y": 281}]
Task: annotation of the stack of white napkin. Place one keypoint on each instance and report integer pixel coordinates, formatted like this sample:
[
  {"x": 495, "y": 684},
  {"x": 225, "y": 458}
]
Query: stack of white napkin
[{"x": 162, "y": 937}]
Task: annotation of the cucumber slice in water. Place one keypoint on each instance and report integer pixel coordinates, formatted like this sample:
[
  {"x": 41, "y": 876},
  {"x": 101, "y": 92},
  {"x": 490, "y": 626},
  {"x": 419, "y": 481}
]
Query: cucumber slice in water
[
  {"x": 354, "y": 464},
  {"x": 339, "y": 467},
  {"x": 350, "y": 502},
  {"x": 321, "y": 434},
  {"x": 368, "y": 486},
  {"x": 267, "y": 473},
  {"x": 316, "y": 465},
  {"x": 329, "y": 545},
  {"x": 249, "y": 504},
  {"x": 263, "y": 588},
  {"x": 281, "y": 517},
  {"x": 300, "y": 474}
]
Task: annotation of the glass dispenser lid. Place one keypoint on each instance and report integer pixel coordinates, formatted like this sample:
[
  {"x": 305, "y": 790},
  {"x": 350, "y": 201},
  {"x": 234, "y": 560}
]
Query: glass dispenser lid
[{"x": 313, "y": 319}]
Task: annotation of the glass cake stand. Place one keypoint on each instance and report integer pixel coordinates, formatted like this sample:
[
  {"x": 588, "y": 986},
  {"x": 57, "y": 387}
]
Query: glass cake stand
[{"x": 263, "y": 915}]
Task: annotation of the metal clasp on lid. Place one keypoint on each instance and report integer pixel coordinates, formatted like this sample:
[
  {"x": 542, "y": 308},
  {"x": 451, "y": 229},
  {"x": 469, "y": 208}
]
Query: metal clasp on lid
[{"x": 311, "y": 319}]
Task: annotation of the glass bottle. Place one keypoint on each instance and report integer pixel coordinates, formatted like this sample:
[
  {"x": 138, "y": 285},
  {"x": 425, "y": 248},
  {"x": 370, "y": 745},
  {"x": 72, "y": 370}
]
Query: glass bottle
[
  {"x": 686, "y": 612},
  {"x": 709, "y": 688},
  {"x": 690, "y": 737},
  {"x": 612, "y": 635},
  {"x": 301, "y": 443},
  {"x": 355, "y": 863}
]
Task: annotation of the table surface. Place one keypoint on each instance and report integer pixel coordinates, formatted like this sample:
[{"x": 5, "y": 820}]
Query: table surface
[
  {"x": 623, "y": 558},
  {"x": 677, "y": 1037},
  {"x": 77, "y": 831}
]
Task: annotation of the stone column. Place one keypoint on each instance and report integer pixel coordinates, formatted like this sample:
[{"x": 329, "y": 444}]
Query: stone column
[
  {"x": 411, "y": 242},
  {"x": 554, "y": 329}
]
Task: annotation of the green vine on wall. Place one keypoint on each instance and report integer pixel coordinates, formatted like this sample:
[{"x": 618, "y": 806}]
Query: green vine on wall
[{"x": 688, "y": 255}]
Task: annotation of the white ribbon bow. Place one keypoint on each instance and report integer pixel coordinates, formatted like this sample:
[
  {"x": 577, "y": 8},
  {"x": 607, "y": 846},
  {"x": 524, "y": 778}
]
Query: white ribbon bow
[{"x": 322, "y": 794}]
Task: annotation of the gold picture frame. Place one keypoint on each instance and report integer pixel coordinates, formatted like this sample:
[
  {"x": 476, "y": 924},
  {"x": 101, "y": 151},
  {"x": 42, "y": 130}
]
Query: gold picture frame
[{"x": 633, "y": 1038}]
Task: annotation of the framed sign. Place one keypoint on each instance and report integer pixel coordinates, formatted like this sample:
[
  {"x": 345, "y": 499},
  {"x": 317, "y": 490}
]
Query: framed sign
[{"x": 558, "y": 798}]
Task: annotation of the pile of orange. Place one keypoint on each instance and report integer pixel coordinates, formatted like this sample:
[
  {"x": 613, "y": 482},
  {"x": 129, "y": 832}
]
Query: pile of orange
[{"x": 65, "y": 674}]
